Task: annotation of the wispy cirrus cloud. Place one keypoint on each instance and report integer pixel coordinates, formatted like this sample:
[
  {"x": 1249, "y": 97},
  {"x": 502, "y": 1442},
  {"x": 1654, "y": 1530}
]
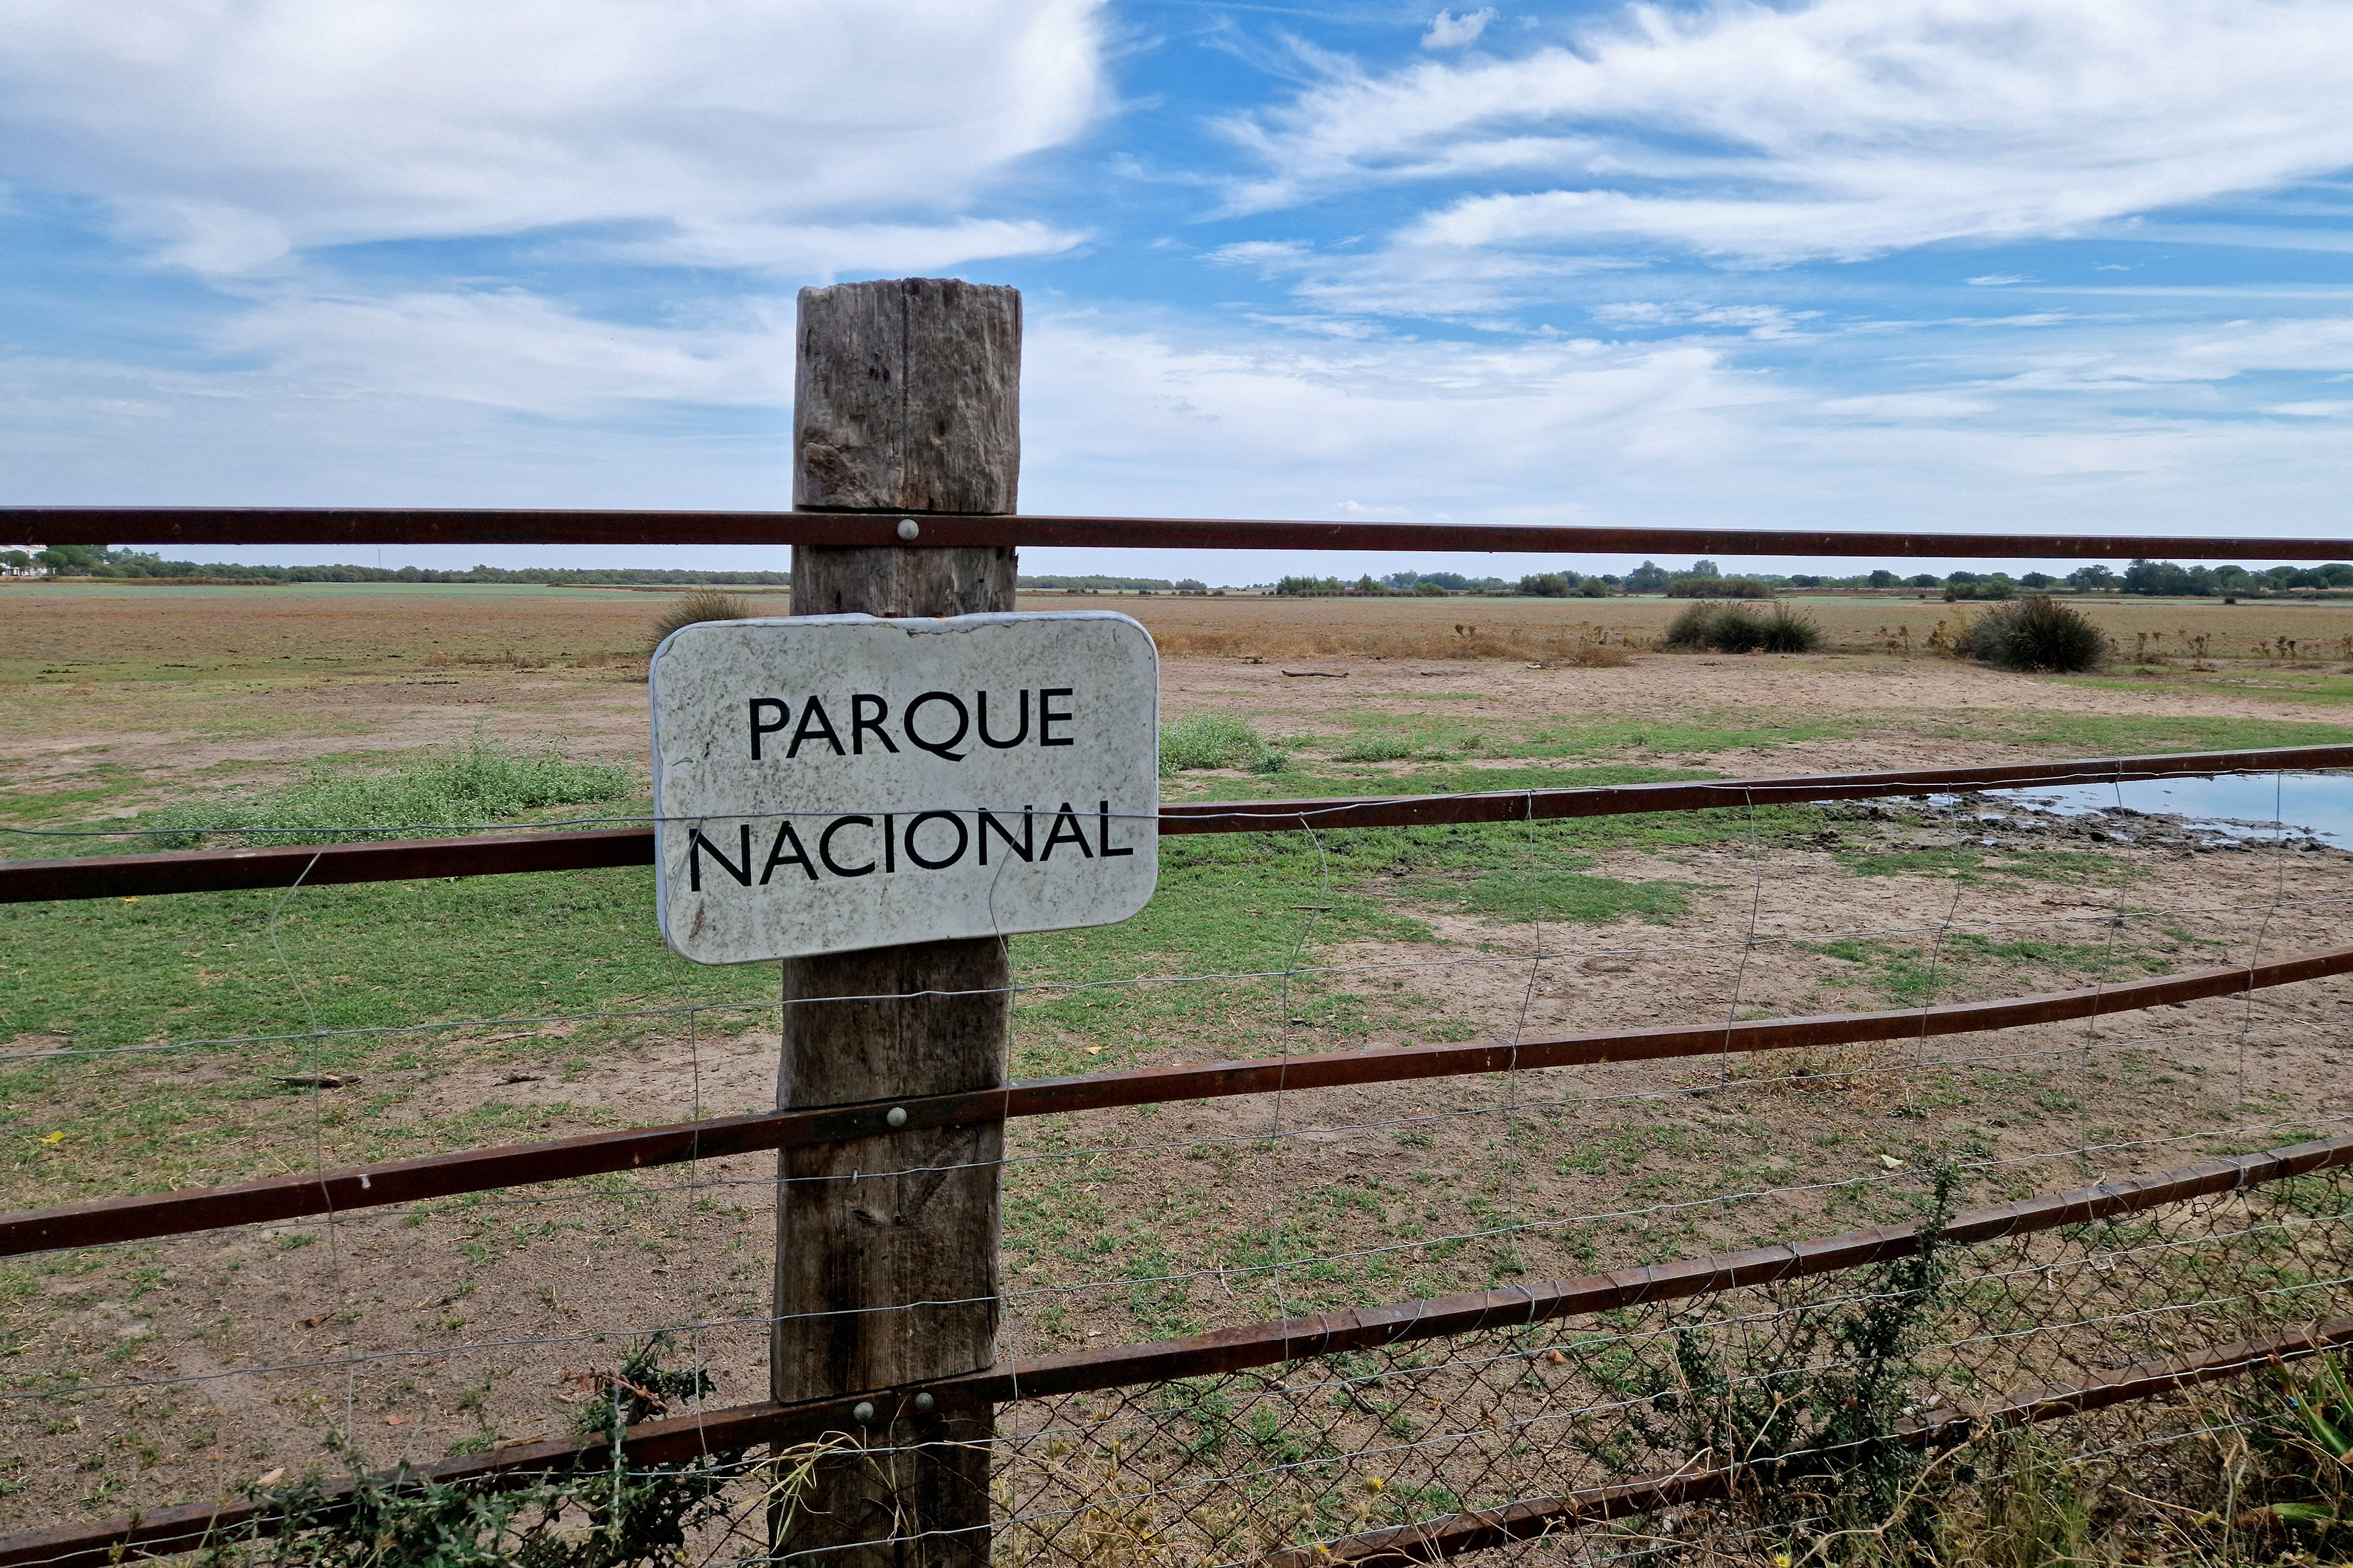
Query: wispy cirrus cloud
[{"x": 1761, "y": 134}]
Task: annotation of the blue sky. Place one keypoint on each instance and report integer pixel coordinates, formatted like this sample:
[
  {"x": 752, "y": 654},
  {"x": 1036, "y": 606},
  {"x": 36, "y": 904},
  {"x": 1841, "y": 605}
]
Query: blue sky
[{"x": 1927, "y": 264}]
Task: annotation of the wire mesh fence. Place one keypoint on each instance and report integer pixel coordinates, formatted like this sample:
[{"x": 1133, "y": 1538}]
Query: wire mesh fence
[{"x": 178, "y": 1369}]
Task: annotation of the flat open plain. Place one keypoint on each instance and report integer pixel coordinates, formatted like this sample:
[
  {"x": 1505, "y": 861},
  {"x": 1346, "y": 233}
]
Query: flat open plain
[{"x": 150, "y": 1043}]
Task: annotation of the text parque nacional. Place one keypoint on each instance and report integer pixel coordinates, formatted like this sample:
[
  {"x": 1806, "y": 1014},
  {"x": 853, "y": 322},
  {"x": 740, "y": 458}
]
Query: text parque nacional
[{"x": 945, "y": 777}]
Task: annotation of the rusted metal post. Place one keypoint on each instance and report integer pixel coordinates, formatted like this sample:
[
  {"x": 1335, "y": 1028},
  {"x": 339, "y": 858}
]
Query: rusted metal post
[{"x": 906, "y": 401}]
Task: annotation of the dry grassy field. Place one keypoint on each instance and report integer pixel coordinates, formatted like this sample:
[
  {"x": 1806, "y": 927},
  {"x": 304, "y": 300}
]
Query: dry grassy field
[
  {"x": 111, "y": 631},
  {"x": 174, "y": 1041}
]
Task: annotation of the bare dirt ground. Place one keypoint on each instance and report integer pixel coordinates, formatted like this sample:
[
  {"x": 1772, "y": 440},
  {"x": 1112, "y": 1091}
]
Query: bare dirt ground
[
  {"x": 144, "y": 1374},
  {"x": 184, "y": 1368}
]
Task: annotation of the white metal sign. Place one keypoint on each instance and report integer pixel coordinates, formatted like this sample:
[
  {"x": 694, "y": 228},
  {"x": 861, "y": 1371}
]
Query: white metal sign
[{"x": 829, "y": 782}]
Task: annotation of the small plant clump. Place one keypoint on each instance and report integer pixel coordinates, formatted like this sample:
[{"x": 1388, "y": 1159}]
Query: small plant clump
[
  {"x": 1819, "y": 1439},
  {"x": 2304, "y": 1444},
  {"x": 478, "y": 781},
  {"x": 614, "y": 1515},
  {"x": 694, "y": 609},
  {"x": 2035, "y": 636},
  {"x": 1200, "y": 741},
  {"x": 1738, "y": 629}
]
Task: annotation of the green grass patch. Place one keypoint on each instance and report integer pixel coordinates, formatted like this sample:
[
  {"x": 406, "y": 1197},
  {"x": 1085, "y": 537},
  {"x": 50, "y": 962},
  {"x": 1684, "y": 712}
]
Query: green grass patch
[
  {"x": 1574, "y": 897},
  {"x": 477, "y": 782},
  {"x": 2287, "y": 685},
  {"x": 1968, "y": 863},
  {"x": 1374, "y": 736},
  {"x": 1301, "y": 781},
  {"x": 1200, "y": 741},
  {"x": 1251, "y": 905},
  {"x": 114, "y": 972},
  {"x": 2109, "y": 734},
  {"x": 1972, "y": 963}
]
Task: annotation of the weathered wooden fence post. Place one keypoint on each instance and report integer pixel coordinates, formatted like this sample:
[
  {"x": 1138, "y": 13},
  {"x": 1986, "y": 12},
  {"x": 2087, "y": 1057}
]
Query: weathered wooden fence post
[{"x": 906, "y": 400}]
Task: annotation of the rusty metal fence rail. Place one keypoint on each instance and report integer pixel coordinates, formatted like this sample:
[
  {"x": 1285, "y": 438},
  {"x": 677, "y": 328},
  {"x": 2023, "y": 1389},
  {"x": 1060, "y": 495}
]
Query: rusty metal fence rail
[
  {"x": 267, "y": 865},
  {"x": 182, "y": 526},
  {"x": 1598, "y": 1417},
  {"x": 185, "y": 1211},
  {"x": 1425, "y": 1429},
  {"x": 1547, "y": 1413}
]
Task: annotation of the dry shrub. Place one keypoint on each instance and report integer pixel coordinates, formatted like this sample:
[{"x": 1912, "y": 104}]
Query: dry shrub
[
  {"x": 1736, "y": 628},
  {"x": 696, "y": 608},
  {"x": 1588, "y": 655},
  {"x": 2037, "y": 635}
]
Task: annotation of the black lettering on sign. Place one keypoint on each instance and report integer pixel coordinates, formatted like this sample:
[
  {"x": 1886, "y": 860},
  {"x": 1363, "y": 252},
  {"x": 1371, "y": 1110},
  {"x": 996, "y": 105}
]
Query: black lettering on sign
[
  {"x": 964, "y": 837},
  {"x": 776, "y": 856},
  {"x": 825, "y": 847},
  {"x": 814, "y": 726},
  {"x": 1066, "y": 830},
  {"x": 867, "y": 712},
  {"x": 889, "y": 842},
  {"x": 1047, "y": 716},
  {"x": 695, "y": 846},
  {"x": 1102, "y": 832},
  {"x": 981, "y": 700},
  {"x": 1027, "y": 843},
  {"x": 759, "y": 728},
  {"x": 939, "y": 747}
]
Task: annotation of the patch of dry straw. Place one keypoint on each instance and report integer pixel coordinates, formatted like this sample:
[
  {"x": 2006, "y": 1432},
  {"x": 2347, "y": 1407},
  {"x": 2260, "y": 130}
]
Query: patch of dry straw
[{"x": 1596, "y": 648}]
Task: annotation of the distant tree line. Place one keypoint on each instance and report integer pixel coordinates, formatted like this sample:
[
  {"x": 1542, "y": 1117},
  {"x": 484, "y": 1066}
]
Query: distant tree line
[
  {"x": 1117, "y": 585},
  {"x": 92, "y": 560},
  {"x": 1703, "y": 579}
]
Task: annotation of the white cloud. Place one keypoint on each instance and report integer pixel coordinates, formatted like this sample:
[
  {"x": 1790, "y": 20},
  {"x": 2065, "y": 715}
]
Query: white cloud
[
  {"x": 1269, "y": 256},
  {"x": 227, "y": 133},
  {"x": 1440, "y": 282},
  {"x": 2150, "y": 362},
  {"x": 1124, "y": 416},
  {"x": 1243, "y": 425},
  {"x": 1448, "y": 31},
  {"x": 505, "y": 398},
  {"x": 1761, "y": 321},
  {"x": 1841, "y": 129},
  {"x": 1928, "y": 407},
  {"x": 819, "y": 250},
  {"x": 513, "y": 351},
  {"x": 1997, "y": 279}
]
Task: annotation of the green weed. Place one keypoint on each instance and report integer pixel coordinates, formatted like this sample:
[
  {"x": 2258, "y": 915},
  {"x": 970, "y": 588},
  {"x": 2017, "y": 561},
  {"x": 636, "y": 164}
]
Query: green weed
[
  {"x": 1216, "y": 740},
  {"x": 477, "y": 782},
  {"x": 1970, "y": 863},
  {"x": 595, "y": 1517}
]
